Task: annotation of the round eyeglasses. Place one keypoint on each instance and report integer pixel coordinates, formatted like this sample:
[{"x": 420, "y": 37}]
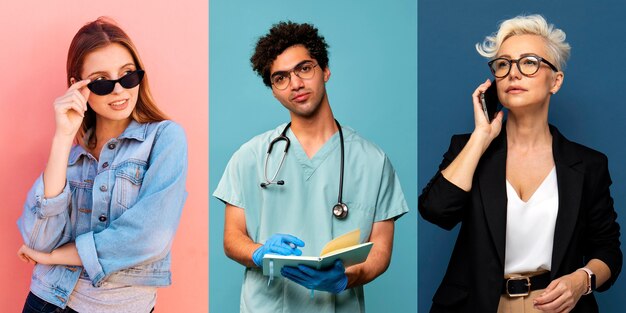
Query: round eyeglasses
[
  {"x": 527, "y": 65},
  {"x": 304, "y": 70}
]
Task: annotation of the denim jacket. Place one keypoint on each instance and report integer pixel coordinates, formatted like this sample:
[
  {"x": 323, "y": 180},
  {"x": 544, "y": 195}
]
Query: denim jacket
[{"x": 121, "y": 210}]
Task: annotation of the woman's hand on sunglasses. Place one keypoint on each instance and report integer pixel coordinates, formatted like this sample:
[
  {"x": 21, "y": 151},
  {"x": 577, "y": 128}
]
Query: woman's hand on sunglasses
[{"x": 70, "y": 108}]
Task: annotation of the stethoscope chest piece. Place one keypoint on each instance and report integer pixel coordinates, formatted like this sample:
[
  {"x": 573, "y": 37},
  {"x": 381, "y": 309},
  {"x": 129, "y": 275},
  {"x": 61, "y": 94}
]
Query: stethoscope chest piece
[{"x": 340, "y": 210}]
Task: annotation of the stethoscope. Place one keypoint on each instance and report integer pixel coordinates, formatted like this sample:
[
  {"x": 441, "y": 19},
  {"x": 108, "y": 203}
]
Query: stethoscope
[{"x": 340, "y": 210}]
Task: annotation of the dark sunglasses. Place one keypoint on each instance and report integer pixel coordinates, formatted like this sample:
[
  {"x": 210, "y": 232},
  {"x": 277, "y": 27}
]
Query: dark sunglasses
[{"x": 104, "y": 87}]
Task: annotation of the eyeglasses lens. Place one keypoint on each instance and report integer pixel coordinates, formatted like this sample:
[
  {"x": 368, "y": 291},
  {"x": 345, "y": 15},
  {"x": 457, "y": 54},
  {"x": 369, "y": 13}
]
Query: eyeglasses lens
[
  {"x": 500, "y": 67},
  {"x": 528, "y": 65},
  {"x": 304, "y": 71}
]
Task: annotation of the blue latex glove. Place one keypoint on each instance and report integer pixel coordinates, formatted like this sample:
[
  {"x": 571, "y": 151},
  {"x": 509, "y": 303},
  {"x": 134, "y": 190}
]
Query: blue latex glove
[
  {"x": 278, "y": 244},
  {"x": 333, "y": 279}
]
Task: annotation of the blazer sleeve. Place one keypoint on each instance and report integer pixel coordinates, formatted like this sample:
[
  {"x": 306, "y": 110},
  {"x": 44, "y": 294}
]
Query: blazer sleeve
[
  {"x": 441, "y": 202},
  {"x": 602, "y": 231}
]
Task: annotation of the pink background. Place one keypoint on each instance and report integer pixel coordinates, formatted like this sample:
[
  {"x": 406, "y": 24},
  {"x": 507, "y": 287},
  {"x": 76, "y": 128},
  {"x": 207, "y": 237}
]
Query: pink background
[{"x": 173, "y": 42}]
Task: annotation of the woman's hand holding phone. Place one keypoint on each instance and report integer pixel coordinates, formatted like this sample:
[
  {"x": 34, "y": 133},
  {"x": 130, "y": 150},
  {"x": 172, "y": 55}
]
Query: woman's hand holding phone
[
  {"x": 461, "y": 171},
  {"x": 484, "y": 128},
  {"x": 70, "y": 108}
]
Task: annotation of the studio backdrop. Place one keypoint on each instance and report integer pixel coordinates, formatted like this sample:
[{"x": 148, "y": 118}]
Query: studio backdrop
[
  {"x": 173, "y": 43},
  {"x": 372, "y": 89},
  {"x": 589, "y": 108}
]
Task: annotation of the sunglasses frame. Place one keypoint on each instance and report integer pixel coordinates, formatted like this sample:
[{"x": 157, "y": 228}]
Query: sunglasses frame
[{"x": 110, "y": 84}]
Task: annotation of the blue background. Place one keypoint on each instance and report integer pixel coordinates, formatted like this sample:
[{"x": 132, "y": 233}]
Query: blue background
[
  {"x": 588, "y": 109},
  {"x": 373, "y": 48}
]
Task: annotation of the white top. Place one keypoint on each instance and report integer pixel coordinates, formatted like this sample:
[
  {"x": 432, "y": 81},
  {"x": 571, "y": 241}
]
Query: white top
[
  {"x": 530, "y": 227},
  {"x": 112, "y": 298}
]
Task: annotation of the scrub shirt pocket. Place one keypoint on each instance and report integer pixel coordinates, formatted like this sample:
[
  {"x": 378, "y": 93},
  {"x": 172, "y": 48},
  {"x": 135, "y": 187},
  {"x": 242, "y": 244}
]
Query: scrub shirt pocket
[
  {"x": 359, "y": 216},
  {"x": 128, "y": 179}
]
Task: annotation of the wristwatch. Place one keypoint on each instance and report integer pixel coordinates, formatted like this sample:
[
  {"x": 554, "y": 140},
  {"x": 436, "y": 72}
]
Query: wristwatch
[{"x": 591, "y": 280}]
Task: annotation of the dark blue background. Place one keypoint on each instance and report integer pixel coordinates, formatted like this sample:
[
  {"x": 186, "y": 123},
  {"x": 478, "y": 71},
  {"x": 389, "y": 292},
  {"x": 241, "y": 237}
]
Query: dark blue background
[{"x": 588, "y": 109}]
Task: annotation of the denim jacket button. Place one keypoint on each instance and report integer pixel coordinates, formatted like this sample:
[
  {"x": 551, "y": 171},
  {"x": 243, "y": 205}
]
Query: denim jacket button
[
  {"x": 111, "y": 146},
  {"x": 105, "y": 164},
  {"x": 102, "y": 218},
  {"x": 103, "y": 188}
]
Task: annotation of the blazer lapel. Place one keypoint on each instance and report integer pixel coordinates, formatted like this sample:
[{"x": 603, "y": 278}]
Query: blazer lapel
[
  {"x": 570, "y": 184},
  {"x": 491, "y": 174}
]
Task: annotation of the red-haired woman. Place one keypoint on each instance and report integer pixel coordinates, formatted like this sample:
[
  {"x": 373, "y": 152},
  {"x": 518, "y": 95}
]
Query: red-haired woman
[{"x": 100, "y": 220}]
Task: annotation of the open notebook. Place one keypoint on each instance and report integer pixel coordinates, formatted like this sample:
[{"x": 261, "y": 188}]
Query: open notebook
[{"x": 345, "y": 247}]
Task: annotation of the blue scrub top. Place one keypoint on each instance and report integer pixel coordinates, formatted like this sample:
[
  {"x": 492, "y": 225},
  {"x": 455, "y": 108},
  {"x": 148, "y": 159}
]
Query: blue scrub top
[{"x": 303, "y": 207}]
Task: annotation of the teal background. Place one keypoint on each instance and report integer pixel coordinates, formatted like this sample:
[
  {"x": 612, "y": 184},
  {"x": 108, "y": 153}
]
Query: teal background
[
  {"x": 589, "y": 109},
  {"x": 373, "y": 89}
]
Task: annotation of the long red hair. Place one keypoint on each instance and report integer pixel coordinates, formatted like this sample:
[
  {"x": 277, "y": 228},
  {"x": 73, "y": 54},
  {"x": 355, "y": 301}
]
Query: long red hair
[{"x": 97, "y": 34}]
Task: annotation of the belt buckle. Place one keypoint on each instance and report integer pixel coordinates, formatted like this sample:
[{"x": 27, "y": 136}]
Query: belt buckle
[{"x": 518, "y": 294}]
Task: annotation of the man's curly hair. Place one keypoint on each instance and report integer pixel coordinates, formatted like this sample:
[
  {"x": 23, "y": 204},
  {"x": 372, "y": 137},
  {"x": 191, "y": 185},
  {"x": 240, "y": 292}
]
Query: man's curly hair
[{"x": 282, "y": 36}]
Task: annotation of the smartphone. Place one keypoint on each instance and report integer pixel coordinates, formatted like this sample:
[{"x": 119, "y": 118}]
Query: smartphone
[{"x": 490, "y": 101}]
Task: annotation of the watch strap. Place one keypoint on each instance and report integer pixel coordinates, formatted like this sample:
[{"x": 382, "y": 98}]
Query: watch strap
[{"x": 591, "y": 280}]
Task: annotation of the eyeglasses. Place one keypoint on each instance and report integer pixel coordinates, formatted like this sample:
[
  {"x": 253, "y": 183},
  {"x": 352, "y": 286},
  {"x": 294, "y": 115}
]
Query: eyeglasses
[
  {"x": 104, "y": 87},
  {"x": 304, "y": 70},
  {"x": 527, "y": 65}
]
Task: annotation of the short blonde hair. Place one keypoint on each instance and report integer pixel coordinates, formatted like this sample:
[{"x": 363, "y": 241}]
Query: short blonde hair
[{"x": 557, "y": 49}]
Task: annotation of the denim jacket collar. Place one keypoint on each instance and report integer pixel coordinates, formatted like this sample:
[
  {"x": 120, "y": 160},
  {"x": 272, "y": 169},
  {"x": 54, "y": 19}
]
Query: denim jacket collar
[{"x": 134, "y": 130}]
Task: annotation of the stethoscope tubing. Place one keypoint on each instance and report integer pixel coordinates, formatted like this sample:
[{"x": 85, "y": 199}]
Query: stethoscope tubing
[
  {"x": 280, "y": 165},
  {"x": 342, "y": 208},
  {"x": 281, "y": 137},
  {"x": 339, "y": 197}
]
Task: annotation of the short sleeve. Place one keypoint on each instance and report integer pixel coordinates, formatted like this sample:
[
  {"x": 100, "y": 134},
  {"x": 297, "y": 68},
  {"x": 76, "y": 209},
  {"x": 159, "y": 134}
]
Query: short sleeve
[
  {"x": 229, "y": 188},
  {"x": 390, "y": 202}
]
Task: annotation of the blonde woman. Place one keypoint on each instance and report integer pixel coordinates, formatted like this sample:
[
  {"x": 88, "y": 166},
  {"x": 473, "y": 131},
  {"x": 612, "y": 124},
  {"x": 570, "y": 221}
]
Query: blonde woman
[{"x": 538, "y": 229}]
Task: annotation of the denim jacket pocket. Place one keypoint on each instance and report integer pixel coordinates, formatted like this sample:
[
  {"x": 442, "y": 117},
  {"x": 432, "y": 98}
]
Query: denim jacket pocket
[
  {"x": 81, "y": 207},
  {"x": 128, "y": 179},
  {"x": 40, "y": 271}
]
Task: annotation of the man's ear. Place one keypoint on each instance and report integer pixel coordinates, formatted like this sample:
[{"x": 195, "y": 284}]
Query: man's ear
[{"x": 326, "y": 72}]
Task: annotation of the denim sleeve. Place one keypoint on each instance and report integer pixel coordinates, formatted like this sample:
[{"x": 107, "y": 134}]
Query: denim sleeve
[
  {"x": 45, "y": 223},
  {"x": 143, "y": 233}
]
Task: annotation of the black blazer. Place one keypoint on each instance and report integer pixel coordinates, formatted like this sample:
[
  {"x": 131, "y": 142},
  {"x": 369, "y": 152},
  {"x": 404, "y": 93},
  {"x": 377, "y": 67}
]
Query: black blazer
[{"x": 586, "y": 226}]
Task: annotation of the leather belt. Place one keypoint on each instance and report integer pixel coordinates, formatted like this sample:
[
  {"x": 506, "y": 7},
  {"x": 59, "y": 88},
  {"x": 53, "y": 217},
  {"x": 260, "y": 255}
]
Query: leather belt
[{"x": 521, "y": 286}]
